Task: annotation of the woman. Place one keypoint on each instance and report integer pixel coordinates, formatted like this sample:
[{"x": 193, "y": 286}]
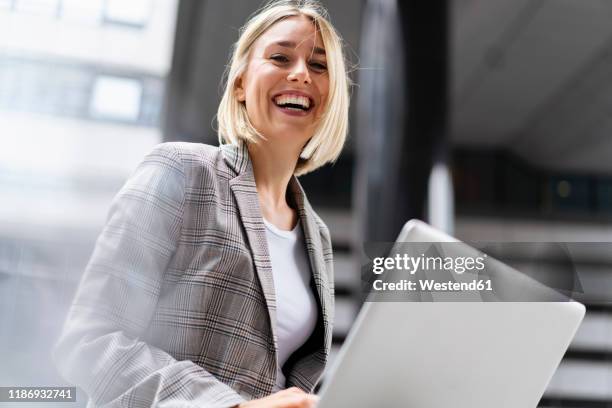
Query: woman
[{"x": 212, "y": 284}]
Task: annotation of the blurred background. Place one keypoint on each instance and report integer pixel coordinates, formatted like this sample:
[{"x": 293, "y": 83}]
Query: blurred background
[{"x": 489, "y": 119}]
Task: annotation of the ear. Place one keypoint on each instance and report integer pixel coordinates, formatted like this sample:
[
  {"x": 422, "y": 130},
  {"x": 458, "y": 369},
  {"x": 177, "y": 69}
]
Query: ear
[{"x": 239, "y": 91}]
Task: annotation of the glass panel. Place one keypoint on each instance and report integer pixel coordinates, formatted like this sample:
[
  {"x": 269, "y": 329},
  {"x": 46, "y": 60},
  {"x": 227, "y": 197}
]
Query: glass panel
[
  {"x": 133, "y": 12},
  {"x": 49, "y": 7},
  {"x": 88, "y": 11},
  {"x": 117, "y": 98},
  {"x": 5, "y": 4}
]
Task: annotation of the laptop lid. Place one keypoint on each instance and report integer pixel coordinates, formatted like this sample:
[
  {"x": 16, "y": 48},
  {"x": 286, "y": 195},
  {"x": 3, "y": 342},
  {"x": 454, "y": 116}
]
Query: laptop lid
[{"x": 451, "y": 354}]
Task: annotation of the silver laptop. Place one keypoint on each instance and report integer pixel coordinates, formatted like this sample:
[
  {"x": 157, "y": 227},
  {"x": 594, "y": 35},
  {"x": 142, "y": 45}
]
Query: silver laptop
[{"x": 443, "y": 354}]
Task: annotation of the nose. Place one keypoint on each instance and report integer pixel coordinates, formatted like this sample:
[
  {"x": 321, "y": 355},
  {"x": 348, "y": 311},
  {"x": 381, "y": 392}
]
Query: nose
[{"x": 299, "y": 73}]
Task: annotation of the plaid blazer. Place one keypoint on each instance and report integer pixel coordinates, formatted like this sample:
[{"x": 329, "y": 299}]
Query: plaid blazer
[{"x": 176, "y": 307}]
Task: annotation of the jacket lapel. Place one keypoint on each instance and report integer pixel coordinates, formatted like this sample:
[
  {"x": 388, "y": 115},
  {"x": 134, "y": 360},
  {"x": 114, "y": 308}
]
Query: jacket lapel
[
  {"x": 312, "y": 236},
  {"x": 245, "y": 192}
]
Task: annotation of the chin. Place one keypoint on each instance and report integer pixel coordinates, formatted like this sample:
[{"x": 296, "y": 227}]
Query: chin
[{"x": 289, "y": 132}]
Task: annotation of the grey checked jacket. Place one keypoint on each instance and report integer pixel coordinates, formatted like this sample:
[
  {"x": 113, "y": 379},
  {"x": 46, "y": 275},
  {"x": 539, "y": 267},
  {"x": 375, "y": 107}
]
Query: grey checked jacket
[{"x": 176, "y": 307}]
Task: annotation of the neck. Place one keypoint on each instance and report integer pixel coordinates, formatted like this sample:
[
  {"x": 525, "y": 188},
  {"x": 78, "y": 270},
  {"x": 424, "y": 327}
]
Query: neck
[{"x": 273, "y": 167}]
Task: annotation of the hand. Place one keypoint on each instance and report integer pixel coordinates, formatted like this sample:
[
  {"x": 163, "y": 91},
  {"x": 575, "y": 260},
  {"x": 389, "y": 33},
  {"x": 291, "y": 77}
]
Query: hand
[{"x": 290, "y": 398}]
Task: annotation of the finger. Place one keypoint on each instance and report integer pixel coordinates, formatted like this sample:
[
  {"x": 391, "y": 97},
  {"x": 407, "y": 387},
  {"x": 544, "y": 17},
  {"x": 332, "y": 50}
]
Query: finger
[
  {"x": 300, "y": 401},
  {"x": 314, "y": 400},
  {"x": 311, "y": 401}
]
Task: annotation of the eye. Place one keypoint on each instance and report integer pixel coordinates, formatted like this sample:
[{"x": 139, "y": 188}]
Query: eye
[
  {"x": 318, "y": 66},
  {"x": 280, "y": 58}
]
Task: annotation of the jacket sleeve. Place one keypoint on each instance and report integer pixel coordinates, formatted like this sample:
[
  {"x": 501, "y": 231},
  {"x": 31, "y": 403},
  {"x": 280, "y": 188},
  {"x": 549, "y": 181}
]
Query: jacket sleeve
[{"x": 100, "y": 348}]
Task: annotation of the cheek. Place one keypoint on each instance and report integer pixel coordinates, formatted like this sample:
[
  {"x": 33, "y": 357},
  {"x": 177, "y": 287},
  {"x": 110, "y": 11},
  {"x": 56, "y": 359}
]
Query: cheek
[
  {"x": 255, "y": 100},
  {"x": 324, "y": 92},
  {"x": 324, "y": 88},
  {"x": 258, "y": 91}
]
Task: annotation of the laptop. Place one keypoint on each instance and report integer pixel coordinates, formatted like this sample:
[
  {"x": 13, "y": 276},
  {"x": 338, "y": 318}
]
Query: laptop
[{"x": 460, "y": 354}]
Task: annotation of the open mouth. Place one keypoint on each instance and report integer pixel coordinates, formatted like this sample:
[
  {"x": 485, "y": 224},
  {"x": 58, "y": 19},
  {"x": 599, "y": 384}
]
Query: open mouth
[{"x": 297, "y": 103}]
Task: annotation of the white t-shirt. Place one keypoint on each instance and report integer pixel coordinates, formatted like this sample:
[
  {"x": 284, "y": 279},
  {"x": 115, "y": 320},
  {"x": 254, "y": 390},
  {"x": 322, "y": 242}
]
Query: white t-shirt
[{"x": 296, "y": 306}]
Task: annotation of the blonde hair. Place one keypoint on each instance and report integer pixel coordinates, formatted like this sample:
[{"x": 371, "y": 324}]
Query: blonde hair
[{"x": 330, "y": 134}]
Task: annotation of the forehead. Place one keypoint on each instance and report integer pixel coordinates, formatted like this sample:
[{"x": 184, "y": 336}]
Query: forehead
[{"x": 298, "y": 30}]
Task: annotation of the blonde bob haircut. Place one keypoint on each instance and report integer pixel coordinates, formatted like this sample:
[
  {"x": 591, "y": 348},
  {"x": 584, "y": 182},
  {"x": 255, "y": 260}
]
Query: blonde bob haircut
[{"x": 330, "y": 133}]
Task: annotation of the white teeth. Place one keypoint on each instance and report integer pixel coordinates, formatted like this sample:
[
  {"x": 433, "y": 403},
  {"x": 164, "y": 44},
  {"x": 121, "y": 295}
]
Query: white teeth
[{"x": 293, "y": 99}]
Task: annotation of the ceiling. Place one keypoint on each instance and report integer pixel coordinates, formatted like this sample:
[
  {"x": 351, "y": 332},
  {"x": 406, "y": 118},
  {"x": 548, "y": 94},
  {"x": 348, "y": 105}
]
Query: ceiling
[{"x": 535, "y": 76}]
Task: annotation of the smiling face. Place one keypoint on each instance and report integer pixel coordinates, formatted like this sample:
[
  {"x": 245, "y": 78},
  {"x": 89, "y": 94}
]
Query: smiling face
[{"x": 285, "y": 84}]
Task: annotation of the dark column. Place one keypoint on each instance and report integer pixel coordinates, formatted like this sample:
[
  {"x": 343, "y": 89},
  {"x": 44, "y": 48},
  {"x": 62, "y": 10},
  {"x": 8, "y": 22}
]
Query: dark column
[
  {"x": 205, "y": 32},
  {"x": 402, "y": 112},
  {"x": 189, "y": 16}
]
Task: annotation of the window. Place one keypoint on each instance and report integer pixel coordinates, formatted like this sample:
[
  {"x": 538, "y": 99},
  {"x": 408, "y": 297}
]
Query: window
[
  {"x": 6, "y": 4},
  {"x": 132, "y": 13},
  {"x": 88, "y": 11},
  {"x": 43, "y": 7},
  {"x": 116, "y": 98}
]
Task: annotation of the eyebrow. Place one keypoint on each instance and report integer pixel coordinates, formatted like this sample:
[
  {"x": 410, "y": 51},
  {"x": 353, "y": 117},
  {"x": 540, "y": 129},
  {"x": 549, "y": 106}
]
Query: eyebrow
[{"x": 291, "y": 44}]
